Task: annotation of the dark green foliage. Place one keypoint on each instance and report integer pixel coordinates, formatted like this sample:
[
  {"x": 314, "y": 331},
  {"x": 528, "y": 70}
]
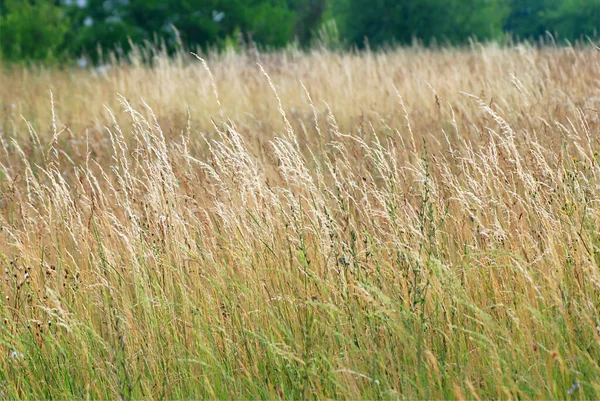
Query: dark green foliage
[
  {"x": 35, "y": 29},
  {"x": 565, "y": 19},
  {"x": 199, "y": 22},
  {"x": 529, "y": 18},
  {"x": 386, "y": 21},
  {"x": 573, "y": 19},
  {"x": 51, "y": 30},
  {"x": 271, "y": 23},
  {"x": 455, "y": 21},
  {"x": 309, "y": 16}
]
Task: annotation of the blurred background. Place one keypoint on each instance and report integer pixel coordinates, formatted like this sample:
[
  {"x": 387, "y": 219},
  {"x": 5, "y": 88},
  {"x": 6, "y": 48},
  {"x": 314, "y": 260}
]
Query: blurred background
[{"x": 82, "y": 31}]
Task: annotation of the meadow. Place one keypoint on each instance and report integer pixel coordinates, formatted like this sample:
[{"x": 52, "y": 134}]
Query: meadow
[{"x": 404, "y": 224}]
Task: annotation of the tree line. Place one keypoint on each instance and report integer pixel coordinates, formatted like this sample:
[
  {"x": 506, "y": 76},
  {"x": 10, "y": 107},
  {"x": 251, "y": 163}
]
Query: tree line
[{"x": 56, "y": 30}]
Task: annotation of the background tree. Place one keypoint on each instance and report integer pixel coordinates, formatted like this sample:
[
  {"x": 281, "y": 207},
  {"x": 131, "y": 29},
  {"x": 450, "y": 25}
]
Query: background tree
[
  {"x": 529, "y": 19},
  {"x": 309, "y": 17},
  {"x": 61, "y": 29},
  {"x": 387, "y": 21},
  {"x": 31, "y": 30},
  {"x": 567, "y": 19},
  {"x": 575, "y": 19}
]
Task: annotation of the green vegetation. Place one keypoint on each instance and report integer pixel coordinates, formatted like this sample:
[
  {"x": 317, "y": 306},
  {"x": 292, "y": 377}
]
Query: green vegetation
[
  {"x": 57, "y": 29},
  {"x": 31, "y": 30},
  {"x": 384, "y": 21}
]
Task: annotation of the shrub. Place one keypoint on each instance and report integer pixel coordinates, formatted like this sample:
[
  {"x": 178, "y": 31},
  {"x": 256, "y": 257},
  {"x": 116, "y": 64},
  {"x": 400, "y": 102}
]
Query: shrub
[{"x": 32, "y": 30}]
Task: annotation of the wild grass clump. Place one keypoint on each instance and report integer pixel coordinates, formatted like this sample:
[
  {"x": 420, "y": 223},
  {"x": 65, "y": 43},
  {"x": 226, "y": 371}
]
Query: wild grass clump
[{"x": 408, "y": 224}]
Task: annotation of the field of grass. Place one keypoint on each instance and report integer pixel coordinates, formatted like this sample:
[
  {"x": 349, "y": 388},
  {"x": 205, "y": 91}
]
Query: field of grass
[{"x": 411, "y": 224}]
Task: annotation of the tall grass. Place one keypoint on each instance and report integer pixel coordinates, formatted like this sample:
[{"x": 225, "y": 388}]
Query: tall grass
[{"x": 410, "y": 224}]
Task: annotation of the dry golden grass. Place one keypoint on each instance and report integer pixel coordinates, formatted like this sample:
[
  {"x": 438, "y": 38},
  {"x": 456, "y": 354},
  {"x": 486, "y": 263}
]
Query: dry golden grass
[{"x": 407, "y": 224}]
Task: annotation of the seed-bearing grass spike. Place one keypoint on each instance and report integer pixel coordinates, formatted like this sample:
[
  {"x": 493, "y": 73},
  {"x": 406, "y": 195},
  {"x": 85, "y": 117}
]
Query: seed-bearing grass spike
[{"x": 402, "y": 224}]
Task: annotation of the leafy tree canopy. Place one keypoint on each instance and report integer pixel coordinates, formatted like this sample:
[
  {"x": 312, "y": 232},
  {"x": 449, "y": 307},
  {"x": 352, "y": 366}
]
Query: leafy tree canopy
[{"x": 52, "y": 30}]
